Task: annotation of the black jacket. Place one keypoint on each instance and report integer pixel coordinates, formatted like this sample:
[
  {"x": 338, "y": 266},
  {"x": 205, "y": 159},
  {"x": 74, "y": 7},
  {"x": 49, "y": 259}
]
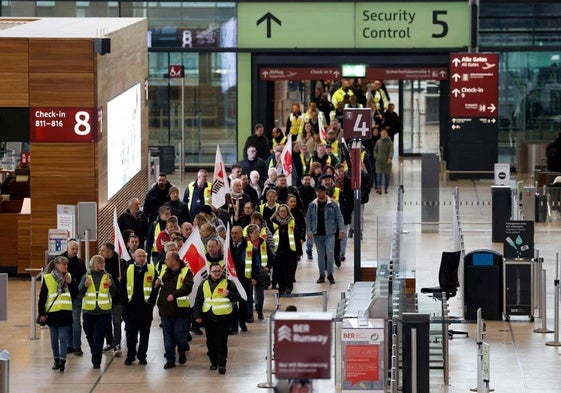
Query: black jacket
[
  {"x": 155, "y": 197},
  {"x": 138, "y": 224}
]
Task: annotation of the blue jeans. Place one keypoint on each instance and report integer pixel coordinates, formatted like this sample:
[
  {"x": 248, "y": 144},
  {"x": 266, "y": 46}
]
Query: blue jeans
[
  {"x": 325, "y": 246},
  {"x": 259, "y": 298},
  {"x": 59, "y": 340},
  {"x": 379, "y": 180},
  {"x": 175, "y": 334},
  {"x": 95, "y": 327},
  {"x": 309, "y": 245},
  {"x": 76, "y": 341}
]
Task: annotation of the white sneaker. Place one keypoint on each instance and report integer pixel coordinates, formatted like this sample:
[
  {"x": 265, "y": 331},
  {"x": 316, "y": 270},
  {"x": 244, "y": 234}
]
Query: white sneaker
[{"x": 117, "y": 351}]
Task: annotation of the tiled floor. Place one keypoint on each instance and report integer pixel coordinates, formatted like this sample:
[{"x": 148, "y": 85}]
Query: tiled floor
[{"x": 520, "y": 360}]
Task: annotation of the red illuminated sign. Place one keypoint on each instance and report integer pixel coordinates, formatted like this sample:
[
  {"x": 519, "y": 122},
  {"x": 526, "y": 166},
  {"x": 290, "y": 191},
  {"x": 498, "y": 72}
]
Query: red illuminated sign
[
  {"x": 288, "y": 74},
  {"x": 63, "y": 125},
  {"x": 176, "y": 71},
  {"x": 407, "y": 73},
  {"x": 474, "y": 86}
]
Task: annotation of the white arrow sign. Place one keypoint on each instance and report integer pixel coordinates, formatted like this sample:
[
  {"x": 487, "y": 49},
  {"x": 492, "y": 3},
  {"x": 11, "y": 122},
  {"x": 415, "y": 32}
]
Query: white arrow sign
[
  {"x": 456, "y": 77},
  {"x": 492, "y": 108},
  {"x": 455, "y": 92},
  {"x": 456, "y": 61}
]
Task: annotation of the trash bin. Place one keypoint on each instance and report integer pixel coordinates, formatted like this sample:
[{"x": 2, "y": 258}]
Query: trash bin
[
  {"x": 167, "y": 158},
  {"x": 4, "y": 371},
  {"x": 483, "y": 285}
]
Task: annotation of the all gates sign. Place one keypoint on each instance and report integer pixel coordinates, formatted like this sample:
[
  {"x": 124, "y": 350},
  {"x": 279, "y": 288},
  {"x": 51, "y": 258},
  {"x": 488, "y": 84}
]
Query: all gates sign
[{"x": 474, "y": 84}]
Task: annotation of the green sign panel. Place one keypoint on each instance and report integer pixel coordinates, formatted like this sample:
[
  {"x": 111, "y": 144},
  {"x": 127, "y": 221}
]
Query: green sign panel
[{"x": 354, "y": 25}]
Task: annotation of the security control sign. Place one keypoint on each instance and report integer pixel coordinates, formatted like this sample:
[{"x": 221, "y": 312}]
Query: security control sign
[
  {"x": 357, "y": 123},
  {"x": 377, "y": 24},
  {"x": 474, "y": 84},
  {"x": 63, "y": 125},
  {"x": 302, "y": 345}
]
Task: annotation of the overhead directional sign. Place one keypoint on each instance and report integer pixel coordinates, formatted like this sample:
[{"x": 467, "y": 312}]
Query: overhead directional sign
[
  {"x": 269, "y": 18},
  {"x": 292, "y": 73},
  {"x": 407, "y": 73},
  {"x": 474, "y": 84},
  {"x": 433, "y": 24}
]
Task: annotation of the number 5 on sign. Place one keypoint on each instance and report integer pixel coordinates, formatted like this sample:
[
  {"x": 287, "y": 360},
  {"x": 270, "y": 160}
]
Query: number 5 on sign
[{"x": 357, "y": 123}]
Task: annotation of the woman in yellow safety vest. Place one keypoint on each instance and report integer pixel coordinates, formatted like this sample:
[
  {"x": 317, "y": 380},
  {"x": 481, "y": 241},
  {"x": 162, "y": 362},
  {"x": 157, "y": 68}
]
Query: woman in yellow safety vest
[
  {"x": 285, "y": 238},
  {"x": 96, "y": 289},
  {"x": 213, "y": 308},
  {"x": 55, "y": 307}
]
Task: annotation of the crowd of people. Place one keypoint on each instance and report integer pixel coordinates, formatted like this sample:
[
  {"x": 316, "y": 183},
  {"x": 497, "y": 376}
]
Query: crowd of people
[{"x": 272, "y": 225}]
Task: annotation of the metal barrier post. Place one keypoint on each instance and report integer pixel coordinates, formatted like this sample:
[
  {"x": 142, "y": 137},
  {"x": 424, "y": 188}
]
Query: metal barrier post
[
  {"x": 33, "y": 313},
  {"x": 4, "y": 371},
  {"x": 269, "y": 383},
  {"x": 543, "y": 305},
  {"x": 538, "y": 265},
  {"x": 446, "y": 368},
  {"x": 394, "y": 375},
  {"x": 555, "y": 342}
]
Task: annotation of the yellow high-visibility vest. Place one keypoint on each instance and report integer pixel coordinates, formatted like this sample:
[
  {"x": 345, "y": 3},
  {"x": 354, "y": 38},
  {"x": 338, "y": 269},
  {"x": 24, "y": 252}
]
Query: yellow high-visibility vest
[
  {"x": 291, "y": 240},
  {"x": 249, "y": 256},
  {"x": 99, "y": 297},
  {"x": 182, "y": 301},
  {"x": 146, "y": 284},
  {"x": 54, "y": 303},
  {"x": 216, "y": 300}
]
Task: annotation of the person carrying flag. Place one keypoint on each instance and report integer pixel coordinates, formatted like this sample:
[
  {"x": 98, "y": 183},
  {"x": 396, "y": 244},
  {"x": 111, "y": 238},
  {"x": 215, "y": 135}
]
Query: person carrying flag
[{"x": 213, "y": 308}]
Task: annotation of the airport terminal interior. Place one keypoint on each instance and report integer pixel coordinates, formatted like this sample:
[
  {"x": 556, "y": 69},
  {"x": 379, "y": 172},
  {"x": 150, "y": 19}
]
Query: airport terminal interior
[
  {"x": 217, "y": 102},
  {"x": 520, "y": 361}
]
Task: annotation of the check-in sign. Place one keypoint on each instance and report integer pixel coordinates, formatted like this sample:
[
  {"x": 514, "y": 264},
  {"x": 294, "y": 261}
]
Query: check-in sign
[{"x": 63, "y": 125}]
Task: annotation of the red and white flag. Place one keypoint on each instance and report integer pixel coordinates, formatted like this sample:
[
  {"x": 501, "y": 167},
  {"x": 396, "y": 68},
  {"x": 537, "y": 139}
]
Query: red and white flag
[
  {"x": 230, "y": 267},
  {"x": 286, "y": 160},
  {"x": 118, "y": 241},
  {"x": 193, "y": 253},
  {"x": 220, "y": 186},
  {"x": 322, "y": 131}
]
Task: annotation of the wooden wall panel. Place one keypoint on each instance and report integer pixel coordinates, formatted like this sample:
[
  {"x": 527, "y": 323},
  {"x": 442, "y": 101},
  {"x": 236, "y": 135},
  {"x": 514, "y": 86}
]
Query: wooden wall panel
[
  {"x": 8, "y": 242},
  {"x": 17, "y": 85},
  {"x": 49, "y": 192},
  {"x": 66, "y": 160},
  {"x": 24, "y": 240},
  {"x": 13, "y": 52},
  {"x": 61, "y": 89},
  {"x": 51, "y": 55}
]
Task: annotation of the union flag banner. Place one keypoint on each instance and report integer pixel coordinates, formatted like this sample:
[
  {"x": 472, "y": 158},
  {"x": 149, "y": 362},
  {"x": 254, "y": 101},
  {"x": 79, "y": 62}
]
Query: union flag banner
[
  {"x": 220, "y": 186},
  {"x": 286, "y": 160}
]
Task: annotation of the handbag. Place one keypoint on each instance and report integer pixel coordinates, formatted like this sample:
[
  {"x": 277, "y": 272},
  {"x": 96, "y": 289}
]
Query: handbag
[
  {"x": 264, "y": 278},
  {"x": 38, "y": 320}
]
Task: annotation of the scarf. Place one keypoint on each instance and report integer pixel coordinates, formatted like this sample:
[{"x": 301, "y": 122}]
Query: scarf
[
  {"x": 236, "y": 195},
  {"x": 282, "y": 221},
  {"x": 60, "y": 280}
]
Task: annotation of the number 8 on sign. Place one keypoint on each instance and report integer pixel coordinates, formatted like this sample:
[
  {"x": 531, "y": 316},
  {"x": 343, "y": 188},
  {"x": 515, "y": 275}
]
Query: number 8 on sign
[{"x": 82, "y": 126}]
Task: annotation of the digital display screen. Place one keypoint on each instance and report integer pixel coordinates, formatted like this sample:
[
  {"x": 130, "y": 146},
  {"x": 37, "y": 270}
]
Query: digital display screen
[
  {"x": 123, "y": 139},
  {"x": 482, "y": 259},
  {"x": 353, "y": 70}
]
